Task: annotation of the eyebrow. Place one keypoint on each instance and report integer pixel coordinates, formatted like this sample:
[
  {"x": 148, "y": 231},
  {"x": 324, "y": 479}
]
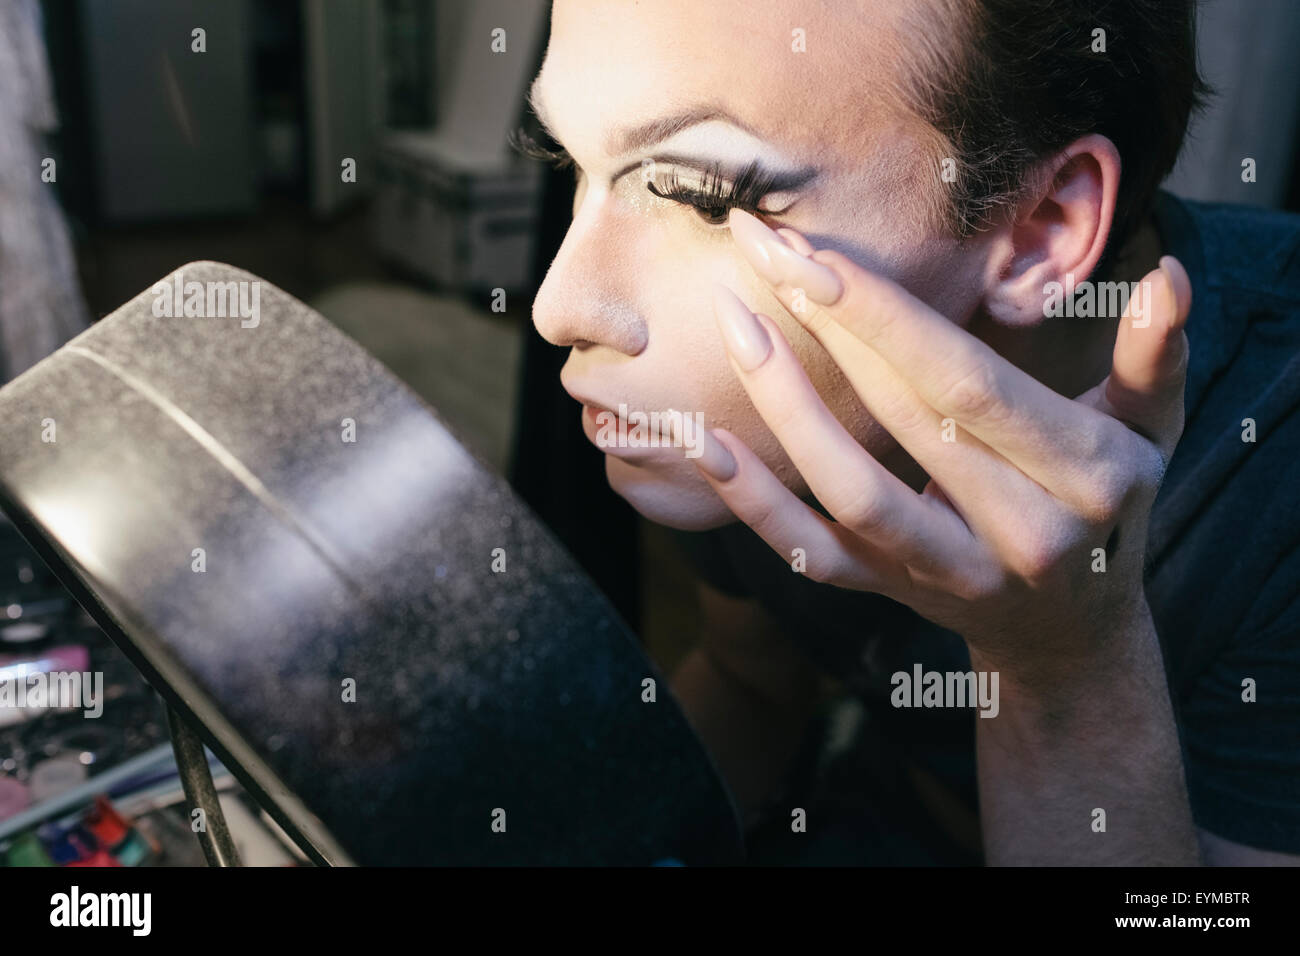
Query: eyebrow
[{"x": 631, "y": 139}]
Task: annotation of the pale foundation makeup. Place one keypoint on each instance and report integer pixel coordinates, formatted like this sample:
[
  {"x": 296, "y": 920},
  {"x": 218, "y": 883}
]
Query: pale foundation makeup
[{"x": 630, "y": 291}]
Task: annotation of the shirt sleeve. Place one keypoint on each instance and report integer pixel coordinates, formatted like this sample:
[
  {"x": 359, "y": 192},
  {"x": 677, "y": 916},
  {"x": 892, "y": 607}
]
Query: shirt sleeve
[{"x": 1241, "y": 739}]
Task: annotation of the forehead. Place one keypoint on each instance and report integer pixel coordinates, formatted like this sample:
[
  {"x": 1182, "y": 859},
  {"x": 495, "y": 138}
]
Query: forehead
[{"x": 807, "y": 75}]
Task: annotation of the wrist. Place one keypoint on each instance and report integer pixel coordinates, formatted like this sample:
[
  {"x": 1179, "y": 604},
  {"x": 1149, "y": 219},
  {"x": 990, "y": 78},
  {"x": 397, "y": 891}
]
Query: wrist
[{"x": 1106, "y": 662}]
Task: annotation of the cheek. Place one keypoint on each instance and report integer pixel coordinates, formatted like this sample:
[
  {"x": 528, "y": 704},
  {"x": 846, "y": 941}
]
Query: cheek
[
  {"x": 734, "y": 411},
  {"x": 690, "y": 368},
  {"x": 834, "y": 390},
  {"x": 686, "y": 365},
  {"x": 693, "y": 357},
  {"x": 831, "y": 383}
]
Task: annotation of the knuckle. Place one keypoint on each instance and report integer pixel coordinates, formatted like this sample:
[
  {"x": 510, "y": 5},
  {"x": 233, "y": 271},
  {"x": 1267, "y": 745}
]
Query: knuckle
[
  {"x": 761, "y": 514},
  {"x": 868, "y": 298},
  {"x": 1104, "y": 493},
  {"x": 782, "y": 404},
  {"x": 814, "y": 318},
  {"x": 1104, "y": 439},
  {"x": 1113, "y": 474},
  {"x": 782, "y": 417},
  {"x": 822, "y": 571},
  {"x": 973, "y": 395},
  {"x": 1038, "y": 554},
  {"x": 906, "y": 415},
  {"x": 856, "y": 279},
  {"x": 1151, "y": 468},
  {"x": 863, "y": 511}
]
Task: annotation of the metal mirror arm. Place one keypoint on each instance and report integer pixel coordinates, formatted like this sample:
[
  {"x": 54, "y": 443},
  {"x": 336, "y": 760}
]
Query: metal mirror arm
[{"x": 192, "y": 764}]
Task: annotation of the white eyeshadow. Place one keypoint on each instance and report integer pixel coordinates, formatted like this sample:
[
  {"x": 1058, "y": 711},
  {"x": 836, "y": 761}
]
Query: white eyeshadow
[{"x": 719, "y": 141}]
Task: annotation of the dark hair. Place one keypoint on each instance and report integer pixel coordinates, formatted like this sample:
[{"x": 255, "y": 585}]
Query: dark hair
[{"x": 1018, "y": 80}]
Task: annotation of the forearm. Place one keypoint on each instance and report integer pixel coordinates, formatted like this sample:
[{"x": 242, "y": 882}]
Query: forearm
[{"x": 1063, "y": 747}]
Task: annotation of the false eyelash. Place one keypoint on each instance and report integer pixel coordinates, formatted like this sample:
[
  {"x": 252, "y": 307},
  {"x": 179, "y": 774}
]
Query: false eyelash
[
  {"x": 716, "y": 193},
  {"x": 523, "y": 143}
]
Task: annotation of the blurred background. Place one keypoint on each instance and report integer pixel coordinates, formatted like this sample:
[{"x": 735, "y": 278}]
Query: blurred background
[{"x": 356, "y": 154}]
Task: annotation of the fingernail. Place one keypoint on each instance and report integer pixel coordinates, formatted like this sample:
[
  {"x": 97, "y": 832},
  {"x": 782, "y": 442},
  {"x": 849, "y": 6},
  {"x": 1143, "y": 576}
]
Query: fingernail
[
  {"x": 777, "y": 262},
  {"x": 715, "y": 461},
  {"x": 746, "y": 340}
]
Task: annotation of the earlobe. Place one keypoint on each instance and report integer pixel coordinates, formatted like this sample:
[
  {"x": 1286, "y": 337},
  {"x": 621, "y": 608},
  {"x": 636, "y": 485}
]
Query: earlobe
[{"x": 1056, "y": 234}]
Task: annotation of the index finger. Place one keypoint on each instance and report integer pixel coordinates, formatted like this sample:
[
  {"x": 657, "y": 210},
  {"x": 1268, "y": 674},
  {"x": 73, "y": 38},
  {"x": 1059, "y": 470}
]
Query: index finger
[{"x": 958, "y": 375}]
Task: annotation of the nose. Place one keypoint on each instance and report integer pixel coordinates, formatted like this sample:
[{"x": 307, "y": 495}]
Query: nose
[{"x": 587, "y": 298}]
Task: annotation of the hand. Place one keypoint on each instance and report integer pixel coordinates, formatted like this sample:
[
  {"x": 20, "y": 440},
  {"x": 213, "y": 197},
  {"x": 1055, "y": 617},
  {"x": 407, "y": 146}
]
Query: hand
[{"x": 1028, "y": 498}]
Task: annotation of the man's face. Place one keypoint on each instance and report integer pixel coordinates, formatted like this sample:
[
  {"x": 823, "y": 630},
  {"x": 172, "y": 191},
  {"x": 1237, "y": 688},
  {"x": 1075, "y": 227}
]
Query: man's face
[{"x": 631, "y": 288}]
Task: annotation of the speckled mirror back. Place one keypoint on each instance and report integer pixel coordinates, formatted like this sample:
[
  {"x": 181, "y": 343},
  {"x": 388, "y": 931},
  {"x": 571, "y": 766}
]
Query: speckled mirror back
[{"x": 300, "y": 556}]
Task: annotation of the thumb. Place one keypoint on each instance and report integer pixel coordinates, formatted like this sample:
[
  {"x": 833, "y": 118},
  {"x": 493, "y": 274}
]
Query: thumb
[{"x": 1149, "y": 365}]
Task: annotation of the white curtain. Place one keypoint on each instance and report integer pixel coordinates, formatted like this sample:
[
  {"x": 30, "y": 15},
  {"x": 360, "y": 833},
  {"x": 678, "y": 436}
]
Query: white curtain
[{"x": 40, "y": 298}]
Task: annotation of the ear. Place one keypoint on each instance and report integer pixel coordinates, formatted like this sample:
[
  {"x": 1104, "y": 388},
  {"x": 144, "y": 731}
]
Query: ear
[{"x": 1057, "y": 233}]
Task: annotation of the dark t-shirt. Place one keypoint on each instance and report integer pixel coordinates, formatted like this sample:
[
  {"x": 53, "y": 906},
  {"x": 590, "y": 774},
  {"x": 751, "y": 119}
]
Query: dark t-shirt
[{"x": 1223, "y": 555}]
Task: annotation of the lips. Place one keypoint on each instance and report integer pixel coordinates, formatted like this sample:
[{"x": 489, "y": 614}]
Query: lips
[
  {"x": 650, "y": 428},
  {"x": 595, "y": 407},
  {"x": 582, "y": 395},
  {"x": 591, "y": 404},
  {"x": 591, "y": 409}
]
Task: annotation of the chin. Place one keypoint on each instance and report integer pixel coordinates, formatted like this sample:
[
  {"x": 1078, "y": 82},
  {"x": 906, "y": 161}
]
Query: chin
[{"x": 675, "y": 496}]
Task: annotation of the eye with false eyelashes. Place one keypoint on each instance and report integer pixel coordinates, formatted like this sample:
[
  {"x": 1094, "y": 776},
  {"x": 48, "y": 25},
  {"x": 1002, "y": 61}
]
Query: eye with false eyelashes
[
  {"x": 710, "y": 193},
  {"x": 715, "y": 195}
]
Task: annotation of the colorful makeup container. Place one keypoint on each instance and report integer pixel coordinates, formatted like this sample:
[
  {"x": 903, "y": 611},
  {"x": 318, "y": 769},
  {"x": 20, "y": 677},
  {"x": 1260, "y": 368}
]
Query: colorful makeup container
[
  {"x": 28, "y": 850},
  {"x": 115, "y": 834}
]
